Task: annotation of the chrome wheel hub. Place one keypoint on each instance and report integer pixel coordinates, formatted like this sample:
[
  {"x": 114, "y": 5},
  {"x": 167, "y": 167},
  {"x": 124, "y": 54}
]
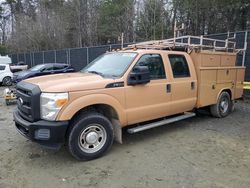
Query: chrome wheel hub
[
  {"x": 92, "y": 138},
  {"x": 224, "y": 105}
]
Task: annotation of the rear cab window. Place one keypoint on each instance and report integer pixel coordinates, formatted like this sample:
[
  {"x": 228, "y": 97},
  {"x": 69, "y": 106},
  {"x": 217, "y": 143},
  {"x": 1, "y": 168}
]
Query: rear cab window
[{"x": 179, "y": 66}]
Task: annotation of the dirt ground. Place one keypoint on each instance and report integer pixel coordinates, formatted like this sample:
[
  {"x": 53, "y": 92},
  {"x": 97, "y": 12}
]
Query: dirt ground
[{"x": 198, "y": 152}]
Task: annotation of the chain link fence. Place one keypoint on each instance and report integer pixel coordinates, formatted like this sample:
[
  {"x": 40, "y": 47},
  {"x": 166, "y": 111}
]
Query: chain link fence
[
  {"x": 76, "y": 57},
  {"x": 80, "y": 57}
]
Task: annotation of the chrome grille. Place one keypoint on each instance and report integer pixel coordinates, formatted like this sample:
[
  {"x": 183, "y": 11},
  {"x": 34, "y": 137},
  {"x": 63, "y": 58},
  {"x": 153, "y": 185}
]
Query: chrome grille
[{"x": 28, "y": 101}]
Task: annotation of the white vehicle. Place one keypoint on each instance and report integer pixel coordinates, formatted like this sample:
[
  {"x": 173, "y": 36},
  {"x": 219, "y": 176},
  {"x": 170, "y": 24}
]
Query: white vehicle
[
  {"x": 5, "y": 60},
  {"x": 5, "y": 75},
  {"x": 20, "y": 66}
]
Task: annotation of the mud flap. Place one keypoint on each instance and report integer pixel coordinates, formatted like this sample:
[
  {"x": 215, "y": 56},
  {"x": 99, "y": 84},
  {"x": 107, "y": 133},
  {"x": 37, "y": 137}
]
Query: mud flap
[{"x": 117, "y": 130}]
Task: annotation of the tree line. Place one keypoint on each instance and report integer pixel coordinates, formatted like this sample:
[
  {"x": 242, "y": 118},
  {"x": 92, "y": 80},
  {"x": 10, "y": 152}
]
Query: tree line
[{"x": 35, "y": 25}]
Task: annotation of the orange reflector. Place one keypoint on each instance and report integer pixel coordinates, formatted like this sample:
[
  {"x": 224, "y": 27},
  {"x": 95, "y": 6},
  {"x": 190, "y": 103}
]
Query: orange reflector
[{"x": 61, "y": 102}]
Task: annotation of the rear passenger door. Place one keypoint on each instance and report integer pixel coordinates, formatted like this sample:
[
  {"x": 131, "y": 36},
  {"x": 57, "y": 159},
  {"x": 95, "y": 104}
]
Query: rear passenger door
[
  {"x": 183, "y": 85},
  {"x": 59, "y": 68}
]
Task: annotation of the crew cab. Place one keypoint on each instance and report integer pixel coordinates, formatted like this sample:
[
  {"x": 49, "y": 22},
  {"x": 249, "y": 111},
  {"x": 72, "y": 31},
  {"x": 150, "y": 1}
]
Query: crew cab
[
  {"x": 41, "y": 70},
  {"x": 138, "y": 88}
]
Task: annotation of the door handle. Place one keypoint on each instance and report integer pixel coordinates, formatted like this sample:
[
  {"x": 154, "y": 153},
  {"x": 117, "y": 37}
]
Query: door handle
[
  {"x": 168, "y": 88},
  {"x": 192, "y": 85}
]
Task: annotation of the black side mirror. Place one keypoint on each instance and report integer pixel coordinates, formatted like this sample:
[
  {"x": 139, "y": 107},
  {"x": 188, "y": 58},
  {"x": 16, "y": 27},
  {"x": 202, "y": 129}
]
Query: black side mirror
[{"x": 139, "y": 75}]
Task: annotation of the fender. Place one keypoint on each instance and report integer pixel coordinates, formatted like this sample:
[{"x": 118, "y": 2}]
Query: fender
[
  {"x": 92, "y": 99},
  {"x": 232, "y": 93}
]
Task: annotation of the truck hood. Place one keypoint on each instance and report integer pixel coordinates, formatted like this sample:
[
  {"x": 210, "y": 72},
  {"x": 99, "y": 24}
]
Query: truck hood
[{"x": 70, "y": 82}]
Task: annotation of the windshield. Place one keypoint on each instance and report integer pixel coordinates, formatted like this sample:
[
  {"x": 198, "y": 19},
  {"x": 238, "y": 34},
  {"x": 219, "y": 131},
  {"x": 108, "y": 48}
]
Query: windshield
[
  {"x": 37, "y": 67},
  {"x": 110, "y": 64}
]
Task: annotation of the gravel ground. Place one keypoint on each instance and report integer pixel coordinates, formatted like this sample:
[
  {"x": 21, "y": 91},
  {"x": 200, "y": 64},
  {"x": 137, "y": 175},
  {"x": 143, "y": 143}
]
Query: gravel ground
[{"x": 198, "y": 152}]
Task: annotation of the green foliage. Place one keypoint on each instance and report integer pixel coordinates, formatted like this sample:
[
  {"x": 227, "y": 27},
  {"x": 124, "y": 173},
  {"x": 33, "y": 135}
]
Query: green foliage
[
  {"x": 3, "y": 50},
  {"x": 113, "y": 15}
]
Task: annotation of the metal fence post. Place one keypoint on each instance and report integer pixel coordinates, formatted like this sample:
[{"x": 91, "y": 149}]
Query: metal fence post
[
  {"x": 24, "y": 58},
  {"x": 245, "y": 48},
  {"x": 55, "y": 55},
  {"x": 69, "y": 57},
  {"x": 30, "y": 60},
  {"x": 43, "y": 57},
  {"x": 87, "y": 55},
  {"x": 33, "y": 58}
]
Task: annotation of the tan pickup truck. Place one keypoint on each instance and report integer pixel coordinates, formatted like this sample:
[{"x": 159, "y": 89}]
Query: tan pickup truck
[{"x": 138, "y": 88}]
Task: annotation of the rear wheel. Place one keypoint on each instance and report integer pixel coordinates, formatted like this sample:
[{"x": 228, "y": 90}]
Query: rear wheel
[
  {"x": 90, "y": 136},
  {"x": 7, "y": 81},
  {"x": 223, "y": 107}
]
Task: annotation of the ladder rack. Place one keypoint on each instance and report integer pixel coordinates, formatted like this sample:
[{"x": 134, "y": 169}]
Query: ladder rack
[{"x": 189, "y": 43}]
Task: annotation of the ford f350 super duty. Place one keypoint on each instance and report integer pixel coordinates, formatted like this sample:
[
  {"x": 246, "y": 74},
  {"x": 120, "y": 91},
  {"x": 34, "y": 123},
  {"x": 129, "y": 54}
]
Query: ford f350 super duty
[{"x": 143, "y": 86}]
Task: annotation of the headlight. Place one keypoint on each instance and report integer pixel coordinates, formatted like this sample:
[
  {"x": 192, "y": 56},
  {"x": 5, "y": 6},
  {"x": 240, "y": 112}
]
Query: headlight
[{"x": 51, "y": 104}]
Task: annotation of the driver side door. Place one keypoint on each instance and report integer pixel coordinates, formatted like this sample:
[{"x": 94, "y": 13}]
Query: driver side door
[{"x": 152, "y": 100}]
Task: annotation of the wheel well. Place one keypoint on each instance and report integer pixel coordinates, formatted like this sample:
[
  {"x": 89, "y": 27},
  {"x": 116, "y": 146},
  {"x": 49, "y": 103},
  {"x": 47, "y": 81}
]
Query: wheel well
[
  {"x": 229, "y": 92},
  {"x": 6, "y": 77},
  {"x": 108, "y": 111},
  {"x": 104, "y": 109}
]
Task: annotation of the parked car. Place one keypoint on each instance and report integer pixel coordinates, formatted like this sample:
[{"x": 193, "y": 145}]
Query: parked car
[
  {"x": 5, "y": 75},
  {"x": 20, "y": 66},
  {"x": 41, "y": 70}
]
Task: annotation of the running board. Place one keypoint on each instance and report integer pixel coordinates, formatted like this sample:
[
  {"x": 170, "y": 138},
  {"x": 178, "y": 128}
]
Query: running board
[{"x": 160, "y": 123}]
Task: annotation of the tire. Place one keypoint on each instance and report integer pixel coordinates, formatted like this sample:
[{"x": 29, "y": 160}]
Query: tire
[
  {"x": 90, "y": 136},
  {"x": 7, "y": 81},
  {"x": 223, "y": 107}
]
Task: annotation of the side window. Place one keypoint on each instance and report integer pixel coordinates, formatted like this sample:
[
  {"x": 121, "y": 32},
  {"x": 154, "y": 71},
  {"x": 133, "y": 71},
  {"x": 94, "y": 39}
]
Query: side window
[
  {"x": 155, "y": 65},
  {"x": 2, "y": 67},
  {"x": 58, "y": 67},
  {"x": 179, "y": 66},
  {"x": 49, "y": 68}
]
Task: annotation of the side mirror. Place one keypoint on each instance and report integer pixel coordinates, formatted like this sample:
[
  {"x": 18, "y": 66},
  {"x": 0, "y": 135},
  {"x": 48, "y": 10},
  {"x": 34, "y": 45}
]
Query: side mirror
[{"x": 139, "y": 75}]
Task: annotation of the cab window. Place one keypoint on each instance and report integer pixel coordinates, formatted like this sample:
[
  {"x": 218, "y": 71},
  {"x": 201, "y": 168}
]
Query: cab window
[
  {"x": 59, "y": 67},
  {"x": 155, "y": 65},
  {"x": 49, "y": 68},
  {"x": 179, "y": 66}
]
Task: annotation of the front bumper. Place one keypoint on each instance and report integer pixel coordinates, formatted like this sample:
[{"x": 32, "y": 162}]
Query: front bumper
[{"x": 49, "y": 134}]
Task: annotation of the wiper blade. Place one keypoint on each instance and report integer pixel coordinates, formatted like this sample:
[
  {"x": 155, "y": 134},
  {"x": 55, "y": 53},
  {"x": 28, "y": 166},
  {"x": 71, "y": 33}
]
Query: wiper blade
[{"x": 95, "y": 72}]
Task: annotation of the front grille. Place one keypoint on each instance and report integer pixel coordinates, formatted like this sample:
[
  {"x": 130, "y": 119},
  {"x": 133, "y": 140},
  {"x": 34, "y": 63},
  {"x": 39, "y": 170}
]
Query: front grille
[{"x": 28, "y": 101}]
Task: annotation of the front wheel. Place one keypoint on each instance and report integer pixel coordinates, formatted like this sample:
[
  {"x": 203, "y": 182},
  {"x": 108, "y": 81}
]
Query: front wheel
[
  {"x": 223, "y": 107},
  {"x": 90, "y": 136},
  {"x": 7, "y": 81}
]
